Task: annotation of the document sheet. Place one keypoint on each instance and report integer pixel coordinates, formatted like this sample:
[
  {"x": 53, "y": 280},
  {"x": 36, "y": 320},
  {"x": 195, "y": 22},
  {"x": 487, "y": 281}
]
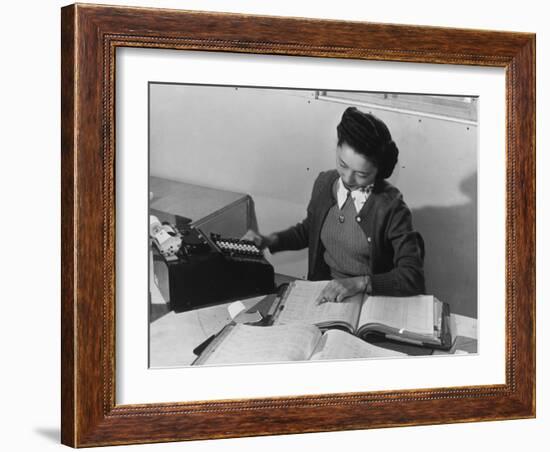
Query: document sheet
[
  {"x": 257, "y": 344},
  {"x": 303, "y": 305},
  {"x": 337, "y": 344},
  {"x": 412, "y": 314}
]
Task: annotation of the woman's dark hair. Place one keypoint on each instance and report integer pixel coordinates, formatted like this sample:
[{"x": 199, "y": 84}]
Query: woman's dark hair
[{"x": 370, "y": 137}]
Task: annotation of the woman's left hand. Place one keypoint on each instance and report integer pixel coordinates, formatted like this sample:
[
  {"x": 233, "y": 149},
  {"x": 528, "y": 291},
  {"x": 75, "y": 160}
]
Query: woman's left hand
[{"x": 339, "y": 289}]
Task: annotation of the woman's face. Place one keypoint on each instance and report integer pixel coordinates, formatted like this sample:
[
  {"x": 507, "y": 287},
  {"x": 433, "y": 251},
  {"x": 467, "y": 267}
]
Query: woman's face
[{"x": 355, "y": 170}]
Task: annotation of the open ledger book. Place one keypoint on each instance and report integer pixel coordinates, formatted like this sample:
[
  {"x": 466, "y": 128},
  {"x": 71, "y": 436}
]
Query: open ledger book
[
  {"x": 244, "y": 344},
  {"x": 421, "y": 320}
]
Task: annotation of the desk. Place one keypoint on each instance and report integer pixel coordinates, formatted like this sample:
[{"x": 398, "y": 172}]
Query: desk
[{"x": 174, "y": 336}]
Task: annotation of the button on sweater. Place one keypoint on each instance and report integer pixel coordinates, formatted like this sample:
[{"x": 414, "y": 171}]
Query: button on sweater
[{"x": 346, "y": 246}]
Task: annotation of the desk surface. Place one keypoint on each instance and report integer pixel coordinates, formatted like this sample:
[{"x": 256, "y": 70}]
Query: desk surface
[{"x": 174, "y": 336}]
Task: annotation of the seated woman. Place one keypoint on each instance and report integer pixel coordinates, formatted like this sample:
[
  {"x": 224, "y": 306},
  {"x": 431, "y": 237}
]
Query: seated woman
[{"x": 358, "y": 228}]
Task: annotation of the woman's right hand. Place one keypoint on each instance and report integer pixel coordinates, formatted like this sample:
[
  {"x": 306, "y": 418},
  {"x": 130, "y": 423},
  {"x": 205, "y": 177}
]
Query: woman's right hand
[{"x": 261, "y": 241}]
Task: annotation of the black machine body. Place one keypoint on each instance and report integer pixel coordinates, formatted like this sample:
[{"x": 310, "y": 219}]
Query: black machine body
[{"x": 209, "y": 270}]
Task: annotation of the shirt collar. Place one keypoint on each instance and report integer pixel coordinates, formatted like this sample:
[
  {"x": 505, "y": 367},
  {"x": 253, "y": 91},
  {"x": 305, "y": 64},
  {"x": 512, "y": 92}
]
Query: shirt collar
[{"x": 359, "y": 195}]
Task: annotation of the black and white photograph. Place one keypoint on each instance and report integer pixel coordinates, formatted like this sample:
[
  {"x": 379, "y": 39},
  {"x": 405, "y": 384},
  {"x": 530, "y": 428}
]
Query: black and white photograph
[{"x": 310, "y": 224}]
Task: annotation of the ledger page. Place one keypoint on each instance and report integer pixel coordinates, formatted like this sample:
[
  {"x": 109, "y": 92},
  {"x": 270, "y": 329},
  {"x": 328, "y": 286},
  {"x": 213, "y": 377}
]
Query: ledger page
[
  {"x": 265, "y": 344},
  {"x": 336, "y": 344},
  {"x": 413, "y": 314},
  {"x": 302, "y": 306}
]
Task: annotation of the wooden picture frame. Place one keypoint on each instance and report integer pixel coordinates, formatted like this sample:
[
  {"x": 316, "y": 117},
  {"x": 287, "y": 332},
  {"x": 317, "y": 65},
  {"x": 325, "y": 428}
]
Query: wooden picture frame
[{"x": 90, "y": 36}]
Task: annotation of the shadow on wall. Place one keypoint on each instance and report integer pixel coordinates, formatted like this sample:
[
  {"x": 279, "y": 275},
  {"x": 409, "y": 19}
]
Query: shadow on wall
[{"x": 450, "y": 234}]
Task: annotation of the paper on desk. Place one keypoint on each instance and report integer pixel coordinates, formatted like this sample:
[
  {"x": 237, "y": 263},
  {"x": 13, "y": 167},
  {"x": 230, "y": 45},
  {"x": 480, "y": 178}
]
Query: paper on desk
[
  {"x": 235, "y": 309},
  {"x": 237, "y": 312}
]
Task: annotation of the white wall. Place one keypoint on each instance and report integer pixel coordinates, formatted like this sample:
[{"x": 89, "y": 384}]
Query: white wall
[
  {"x": 273, "y": 143},
  {"x": 30, "y": 390}
]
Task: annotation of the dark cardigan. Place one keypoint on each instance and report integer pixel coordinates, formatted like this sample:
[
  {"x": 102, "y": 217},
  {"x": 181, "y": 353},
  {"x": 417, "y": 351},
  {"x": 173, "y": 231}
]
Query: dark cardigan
[{"x": 397, "y": 251}]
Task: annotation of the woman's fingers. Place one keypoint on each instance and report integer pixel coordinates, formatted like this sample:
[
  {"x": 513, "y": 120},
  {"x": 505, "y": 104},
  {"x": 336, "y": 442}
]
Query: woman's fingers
[
  {"x": 334, "y": 291},
  {"x": 254, "y": 237},
  {"x": 326, "y": 294},
  {"x": 338, "y": 290},
  {"x": 249, "y": 235},
  {"x": 340, "y": 297}
]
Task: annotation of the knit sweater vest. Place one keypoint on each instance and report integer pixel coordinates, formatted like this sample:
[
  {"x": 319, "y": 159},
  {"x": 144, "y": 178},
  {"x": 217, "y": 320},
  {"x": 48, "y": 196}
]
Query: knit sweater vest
[{"x": 346, "y": 246}]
